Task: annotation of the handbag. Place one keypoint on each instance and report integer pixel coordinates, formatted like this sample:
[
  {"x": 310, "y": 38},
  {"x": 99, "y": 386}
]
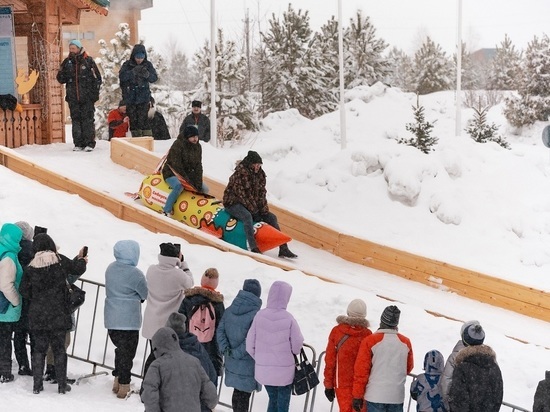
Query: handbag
[
  {"x": 75, "y": 297},
  {"x": 305, "y": 377}
]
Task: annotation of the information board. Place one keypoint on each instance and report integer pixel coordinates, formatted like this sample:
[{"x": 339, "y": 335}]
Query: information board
[{"x": 7, "y": 52}]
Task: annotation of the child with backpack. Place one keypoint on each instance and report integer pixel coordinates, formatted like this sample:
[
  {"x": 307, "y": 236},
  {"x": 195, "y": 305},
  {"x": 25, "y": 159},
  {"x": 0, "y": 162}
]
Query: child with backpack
[
  {"x": 426, "y": 388},
  {"x": 203, "y": 307}
]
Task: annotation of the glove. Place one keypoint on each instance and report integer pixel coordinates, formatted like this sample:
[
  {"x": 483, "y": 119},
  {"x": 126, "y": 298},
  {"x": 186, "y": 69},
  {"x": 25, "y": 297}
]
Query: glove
[
  {"x": 141, "y": 71},
  {"x": 357, "y": 404},
  {"x": 329, "y": 393}
]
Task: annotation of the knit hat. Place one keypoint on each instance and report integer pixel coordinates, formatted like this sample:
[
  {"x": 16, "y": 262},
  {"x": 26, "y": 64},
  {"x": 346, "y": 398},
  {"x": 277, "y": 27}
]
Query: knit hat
[
  {"x": 196, "y": 103},
  {"x": 390, "y": 316},
  {"x": 28, "y": 231},
  {"x": 466, "y": 324},
  {"x": 210, "y": 278},
  {"x": 253, "y": 286},
  {"x": 252, "y": 157},
  {"x": 168, "y": 249},
  {"x": 190, "y": 131},
  {"x": 357, "y": 308},
  {"x": 473, "y": 335},
  {"x": 43, "y": 242},
  {"x": 176, "y": 321},
  {"x": 76, "y": 43}
]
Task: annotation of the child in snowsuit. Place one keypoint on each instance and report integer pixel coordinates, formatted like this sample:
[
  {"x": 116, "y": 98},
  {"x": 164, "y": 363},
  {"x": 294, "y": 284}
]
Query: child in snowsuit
[{"x": 426, "y": 387}]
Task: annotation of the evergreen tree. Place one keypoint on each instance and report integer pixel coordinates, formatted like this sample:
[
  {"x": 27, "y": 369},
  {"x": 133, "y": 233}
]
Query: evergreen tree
[
  {"x": 481, "y": 131},
  {"x": 470, "y": 77},
  {"x": 297, "y": 76},
  {"x": 400, "y": 72},
  {"x": 432, "y": 69},
  {"x": 421, "y": 129},
  {"x": 504, "y": 67},
  {"x": 533, "y": 102},
  {"x": 179, "y": 75},
  {"x": 326, "y": 46},
  {"x": 364, "y": 64}
]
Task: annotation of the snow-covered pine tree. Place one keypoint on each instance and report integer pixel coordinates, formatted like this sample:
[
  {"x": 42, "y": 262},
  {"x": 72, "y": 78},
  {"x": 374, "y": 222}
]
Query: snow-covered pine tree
[
  {"x": 432, "y": 69},
  {"x": 481, "y": 131},
  {"x": 233, "y": 107},
  {"x": 504, "y": 66},
  {"x": 364, "y": 63},
  {"x": 297, "y": 75},
  {"x": 533, "y": 102},
  {"x": 400, "y": 70},
  {"x": 326, "y": 47},
  {"x": 421, "y": 129},
  {"x": 471, "y": 78}
]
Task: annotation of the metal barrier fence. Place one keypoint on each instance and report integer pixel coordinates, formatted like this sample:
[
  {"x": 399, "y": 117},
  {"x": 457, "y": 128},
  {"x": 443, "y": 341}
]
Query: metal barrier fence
[{"x": 91, "y": 344}]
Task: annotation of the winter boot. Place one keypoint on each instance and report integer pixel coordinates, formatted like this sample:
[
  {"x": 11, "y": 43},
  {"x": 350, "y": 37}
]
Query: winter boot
[
  {"x": 285, "y": 252},
  {"x": 123, "y": 390},
  {"x": 25, "y": 370},
  {"x": 63, "y": 388},
  {"x": 6, "y": 377},
  {"x": 50, "y": 373},
  {"x": 116, "y": 385},
  {"x": 256, "y": 250}
]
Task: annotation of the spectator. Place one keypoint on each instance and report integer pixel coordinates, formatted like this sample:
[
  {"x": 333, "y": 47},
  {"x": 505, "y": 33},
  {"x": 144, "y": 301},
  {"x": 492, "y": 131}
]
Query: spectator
[
  {"x": 11, "y": 273},
  {"x": 274, "y": 337},
  {"x": 208, "y": 300},
  {"x": 118, "y": 121},
  {"x": 384, "y": 360},
  {"x": 245, "y": 199},
  {"x": 158, "y": 123},
  {"x": 477, "y": 381},
  {"x": 198, "y": 120},
  {"x": 125, "y": 291},
  {"x": 184, "y": 159},
  {"x": 175, "y": 380},
  {"x": 341, "y": 353},
  {"x": 232, "y": 331},
  {"x": 135, "y": 76},
  {"x": 541, "y": 402},
  {"x": 82, "y": 80},
  {"x": 426, "y": 387}
]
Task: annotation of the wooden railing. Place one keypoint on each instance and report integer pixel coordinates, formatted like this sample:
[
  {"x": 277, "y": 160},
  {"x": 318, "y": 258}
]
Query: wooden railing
[{"x": 19, "y": 129}]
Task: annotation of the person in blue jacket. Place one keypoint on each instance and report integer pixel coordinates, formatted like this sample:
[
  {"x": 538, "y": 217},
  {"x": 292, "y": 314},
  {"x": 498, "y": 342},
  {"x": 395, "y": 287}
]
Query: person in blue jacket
[
  {"x": 135, "y": 76},
  {"x": 11, "y": 273},
  {"x": 125, "y": 291},
  {"x": 232, "y": 331}
]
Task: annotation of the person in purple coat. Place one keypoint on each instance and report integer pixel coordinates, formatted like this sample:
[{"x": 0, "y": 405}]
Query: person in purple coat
[{"x": 273, "y": 338}]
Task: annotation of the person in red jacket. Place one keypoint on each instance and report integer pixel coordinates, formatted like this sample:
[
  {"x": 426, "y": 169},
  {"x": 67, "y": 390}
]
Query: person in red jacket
[
  {"x": 118, "y": 121},
  {"x": 342, "y": 348},
  {"x": 385, "y": 359}
]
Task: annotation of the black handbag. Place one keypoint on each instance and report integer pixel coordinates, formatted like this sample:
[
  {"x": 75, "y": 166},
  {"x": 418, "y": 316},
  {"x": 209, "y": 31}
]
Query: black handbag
[
  {"x": 75, "y": 297},
  {"x": 305, "y": 377}
]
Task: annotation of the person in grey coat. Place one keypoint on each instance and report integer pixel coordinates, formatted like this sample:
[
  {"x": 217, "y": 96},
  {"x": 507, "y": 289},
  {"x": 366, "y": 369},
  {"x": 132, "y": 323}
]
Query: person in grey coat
[
  {"x": 125, "y": 291},
  {"x": 231, "y": 336},
  {"x": 175, "y": 381}
]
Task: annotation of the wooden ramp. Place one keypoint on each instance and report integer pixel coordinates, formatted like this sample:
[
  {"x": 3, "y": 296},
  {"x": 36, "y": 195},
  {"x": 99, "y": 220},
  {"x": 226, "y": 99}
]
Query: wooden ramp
[{"x": 497, "y": 292}]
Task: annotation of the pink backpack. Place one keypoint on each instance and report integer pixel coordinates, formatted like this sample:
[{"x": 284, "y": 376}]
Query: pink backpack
[{"x": 202, "y": 322}]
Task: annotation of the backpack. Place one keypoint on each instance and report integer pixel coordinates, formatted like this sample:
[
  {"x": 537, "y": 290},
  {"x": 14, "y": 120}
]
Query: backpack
[{"x": 202, "y": 322}]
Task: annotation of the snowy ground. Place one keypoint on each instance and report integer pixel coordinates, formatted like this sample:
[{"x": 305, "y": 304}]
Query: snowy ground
[{"x": 476, "y": 206}]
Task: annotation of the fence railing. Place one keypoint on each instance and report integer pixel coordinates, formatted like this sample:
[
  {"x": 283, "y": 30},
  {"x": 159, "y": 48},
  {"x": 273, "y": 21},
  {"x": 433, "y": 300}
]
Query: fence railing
[{"x": 91, "y": 344}]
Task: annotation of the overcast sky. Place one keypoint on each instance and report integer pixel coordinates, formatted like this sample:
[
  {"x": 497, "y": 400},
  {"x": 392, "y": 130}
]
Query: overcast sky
[{"x": 398, "y": 22}]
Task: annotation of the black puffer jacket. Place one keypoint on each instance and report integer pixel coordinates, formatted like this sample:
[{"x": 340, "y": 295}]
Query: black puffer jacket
[
  {"x": 542, "y": 395},
  {"x": 135, "y": 78},
  {"x": 477, "y": 381},
  {"x": 186, "y": 159},
  {"x": 81, "y": 77}
]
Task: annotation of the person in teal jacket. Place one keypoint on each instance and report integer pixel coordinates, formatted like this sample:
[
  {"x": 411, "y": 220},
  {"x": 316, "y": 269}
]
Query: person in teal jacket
[{"x": 11, "y": 273}]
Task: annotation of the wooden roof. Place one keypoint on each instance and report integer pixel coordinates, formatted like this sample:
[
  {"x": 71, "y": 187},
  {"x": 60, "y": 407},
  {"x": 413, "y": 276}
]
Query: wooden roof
[{"x": 70, "y": 8}]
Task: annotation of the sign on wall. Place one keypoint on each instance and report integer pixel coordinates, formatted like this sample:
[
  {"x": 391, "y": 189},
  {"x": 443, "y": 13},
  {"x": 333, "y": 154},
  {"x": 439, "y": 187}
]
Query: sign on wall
[{"x": 7, "y": 52}]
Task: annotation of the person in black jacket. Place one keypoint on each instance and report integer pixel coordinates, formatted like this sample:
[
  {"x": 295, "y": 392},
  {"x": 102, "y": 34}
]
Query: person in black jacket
[
  {"x": 135, "y": 76},
  {"x": 541, "y": 402},
  {"x": 44, "y": 284},
  {"x": 82, "y": 80},
  {"x": 477, "y": 381},
  {"x": 158, "y": 123}
]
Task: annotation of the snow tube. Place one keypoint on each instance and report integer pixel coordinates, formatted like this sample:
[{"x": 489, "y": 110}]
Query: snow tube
[{"x": 206, "y": 213}]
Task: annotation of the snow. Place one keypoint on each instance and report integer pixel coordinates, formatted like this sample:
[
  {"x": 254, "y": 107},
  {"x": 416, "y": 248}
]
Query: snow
[{"x": 477, "y": 206}]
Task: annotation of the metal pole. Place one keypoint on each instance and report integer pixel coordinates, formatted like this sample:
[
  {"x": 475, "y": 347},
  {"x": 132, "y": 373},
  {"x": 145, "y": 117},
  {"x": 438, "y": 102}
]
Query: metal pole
[
  {"x": 341, "y": 69},
  {"x": 458, "y": 116},
  {"x": 213, "y": 121}
]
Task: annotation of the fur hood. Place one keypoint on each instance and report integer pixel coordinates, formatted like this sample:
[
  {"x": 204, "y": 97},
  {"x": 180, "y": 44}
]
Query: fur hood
[
  {"x": 352, "y": 321},
  {"x": 477, "y": 350},
  {"x": 212, "y": 295},
  {"x": 44, "y": 259}
]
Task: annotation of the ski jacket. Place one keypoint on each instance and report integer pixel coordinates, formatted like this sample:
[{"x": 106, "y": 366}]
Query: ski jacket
[
  {"x": 231, "y": 335},
  {"x": 541, "y": 402},
  {"x": 339, "y": 361},
  {"x": 125, "y": 288},
  {"x": 11, "y": 271},
  {"x": 201, "y": 121},
  {"x": 135, "y": 78},
  {"x": 385, "y": 359},
  {"x": 166, "y": 284},
  {"x": 426, "y": 387},
  {"x": 186, "y": 159},
  {"x": 247, "y": 188},
  {"x": 117, "y": 126},
  {"x": 477, "y": 381},
  {"x": 81, "y": 77},
  {"x": 274, "y": 337}
]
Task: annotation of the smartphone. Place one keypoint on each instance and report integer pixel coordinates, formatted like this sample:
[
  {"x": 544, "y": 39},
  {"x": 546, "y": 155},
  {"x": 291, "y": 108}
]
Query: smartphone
[
  {"x": 40, "y": 229},
  {"x": 85, "y": 251}
]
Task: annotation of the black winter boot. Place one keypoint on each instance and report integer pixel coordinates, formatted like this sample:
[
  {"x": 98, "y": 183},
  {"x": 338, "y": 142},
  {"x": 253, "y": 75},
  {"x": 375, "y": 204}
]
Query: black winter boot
[{"x": 285, "y": 252}]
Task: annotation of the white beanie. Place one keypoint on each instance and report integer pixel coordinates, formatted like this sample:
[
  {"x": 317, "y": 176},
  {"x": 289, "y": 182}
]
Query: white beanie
[{"x": 357, "y": 308}]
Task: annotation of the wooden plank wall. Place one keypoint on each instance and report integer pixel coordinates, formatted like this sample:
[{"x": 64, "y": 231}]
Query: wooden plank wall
[
  {"x": 494, "y": 291},
  {"x": 19, "y": 129}
]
